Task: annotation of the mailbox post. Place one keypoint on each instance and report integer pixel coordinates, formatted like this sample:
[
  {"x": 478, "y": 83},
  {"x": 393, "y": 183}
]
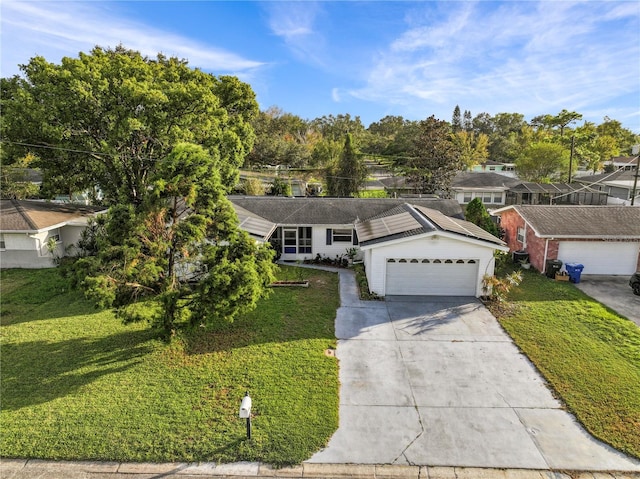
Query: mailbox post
[{"x": 245, "y": 412}]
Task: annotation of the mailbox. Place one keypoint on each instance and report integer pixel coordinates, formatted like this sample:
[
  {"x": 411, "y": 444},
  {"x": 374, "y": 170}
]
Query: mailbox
[{"x": 245, "y": 407}]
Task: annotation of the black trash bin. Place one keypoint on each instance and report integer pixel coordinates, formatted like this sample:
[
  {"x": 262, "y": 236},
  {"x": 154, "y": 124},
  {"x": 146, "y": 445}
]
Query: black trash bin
[
  {"x": 574, "y": 270},
  {"x": 519, "y": 256},
  {"x": 552, "y": 267}
]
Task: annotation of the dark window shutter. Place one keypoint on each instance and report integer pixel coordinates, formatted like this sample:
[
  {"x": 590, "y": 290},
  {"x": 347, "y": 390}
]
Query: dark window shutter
[
  {"x": 355, "y": 238},
  {"x": 329, "y": 235}
]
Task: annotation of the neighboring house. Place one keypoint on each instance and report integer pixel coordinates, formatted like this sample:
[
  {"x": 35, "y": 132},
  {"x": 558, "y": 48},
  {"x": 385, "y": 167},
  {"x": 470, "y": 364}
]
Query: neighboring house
[
  {"x": 445, "y": 254},
  {"x": 398, "y": 186},
  {"x": 497, "y": 190},
  {"x": 506, "y": 169},
  {"x": 628, "y": 163},
  {"x": 27, "y": 228},
  {"x": 491, "y": 188},
  {"x": 605, "y": 239},
  {"x": 619, "y": 186},
  {"x": 527, "y": 193}
]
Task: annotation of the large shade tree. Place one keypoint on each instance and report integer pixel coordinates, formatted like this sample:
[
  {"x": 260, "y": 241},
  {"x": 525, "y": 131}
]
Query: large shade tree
[
  {"x": 106, "y": 118},
  {"x": 164, "y": 143},
  {"x": 543, "y": 162}
]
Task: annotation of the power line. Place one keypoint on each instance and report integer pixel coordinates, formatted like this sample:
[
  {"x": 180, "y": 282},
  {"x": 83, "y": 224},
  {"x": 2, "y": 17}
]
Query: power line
[{"x": 59, "y": 148}]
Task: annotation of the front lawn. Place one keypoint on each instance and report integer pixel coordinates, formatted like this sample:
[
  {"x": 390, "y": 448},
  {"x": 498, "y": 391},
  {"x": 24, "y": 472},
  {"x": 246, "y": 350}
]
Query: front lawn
[
  {"x": 78, "y": 384},
  {"x": 588, "y": 353}
]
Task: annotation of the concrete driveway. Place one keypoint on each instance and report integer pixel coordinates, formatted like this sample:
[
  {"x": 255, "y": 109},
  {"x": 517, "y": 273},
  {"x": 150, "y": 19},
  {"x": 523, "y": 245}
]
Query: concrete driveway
[
  {"x": 614, "y": 292},
  {"x": 437, "y": 382}
]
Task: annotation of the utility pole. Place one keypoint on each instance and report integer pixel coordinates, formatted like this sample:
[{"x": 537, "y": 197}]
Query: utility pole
[
  {"x": 573, "y": 141},
  {"x": 635, "y": 151}
]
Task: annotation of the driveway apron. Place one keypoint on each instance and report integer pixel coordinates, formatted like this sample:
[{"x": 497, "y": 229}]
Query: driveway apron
[{"x": 436, "y": 381}]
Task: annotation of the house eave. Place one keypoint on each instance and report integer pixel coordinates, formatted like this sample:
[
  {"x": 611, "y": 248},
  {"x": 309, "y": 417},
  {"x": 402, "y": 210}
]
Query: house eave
[
  {"x": 444, "y": 234},
  {"x": 557, "y": 237}
]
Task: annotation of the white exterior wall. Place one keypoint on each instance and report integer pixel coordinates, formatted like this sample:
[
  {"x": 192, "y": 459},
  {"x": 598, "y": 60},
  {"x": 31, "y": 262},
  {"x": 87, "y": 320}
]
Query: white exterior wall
[
  {"x": 29, "y": 250},
  {"x": 23, "y": 250},
  {"x": 70, "y": 235},
  {"x": 426, "y": 247},
  {"x": 319, "y": 241},
  {"x": 480, "y": 194}
]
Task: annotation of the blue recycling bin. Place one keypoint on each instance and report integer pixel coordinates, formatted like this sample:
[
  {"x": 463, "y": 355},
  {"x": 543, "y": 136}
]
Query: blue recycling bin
[{"x": 574, "y": 270}]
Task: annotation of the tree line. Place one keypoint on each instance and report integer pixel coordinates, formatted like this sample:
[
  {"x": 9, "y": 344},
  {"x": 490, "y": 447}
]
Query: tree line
[{"x": 540, "y": 148}]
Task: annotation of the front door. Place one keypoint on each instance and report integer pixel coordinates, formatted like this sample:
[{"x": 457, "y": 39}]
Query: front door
[
  {"x": 296, "y": 243},
  {"x": 289, "y": 244}
]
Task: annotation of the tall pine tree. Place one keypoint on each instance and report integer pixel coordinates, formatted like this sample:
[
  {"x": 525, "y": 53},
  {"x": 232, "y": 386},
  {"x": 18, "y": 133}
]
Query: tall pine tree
[{"x": 349, "y": 174}]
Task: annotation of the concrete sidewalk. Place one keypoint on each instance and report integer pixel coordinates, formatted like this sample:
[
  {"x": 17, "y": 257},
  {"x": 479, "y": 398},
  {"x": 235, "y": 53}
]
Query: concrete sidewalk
[{"x": 20, "y": 469}]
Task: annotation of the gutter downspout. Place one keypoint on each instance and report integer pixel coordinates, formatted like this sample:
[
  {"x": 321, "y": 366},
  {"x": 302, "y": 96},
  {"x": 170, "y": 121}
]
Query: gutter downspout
[{"x": 546, "y": 251}]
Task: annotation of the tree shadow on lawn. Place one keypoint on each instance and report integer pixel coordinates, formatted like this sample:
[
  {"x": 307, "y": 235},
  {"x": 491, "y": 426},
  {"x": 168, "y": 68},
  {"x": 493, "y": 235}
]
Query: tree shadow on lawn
[{"x": 57, "y": 369}]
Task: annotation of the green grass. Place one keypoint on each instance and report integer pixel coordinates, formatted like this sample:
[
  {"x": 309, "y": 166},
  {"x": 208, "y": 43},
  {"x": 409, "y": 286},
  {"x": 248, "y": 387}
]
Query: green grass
[
  {"x": 77, "y": 384},
  {"x": 372, "y": 194},
  {"x": 587, "y": 352}
]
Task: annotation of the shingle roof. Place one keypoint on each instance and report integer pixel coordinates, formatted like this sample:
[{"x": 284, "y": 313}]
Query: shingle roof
[
  {"x": 410, "y": 220},
  {"x": 470, "y": 179},
  {"x": 597, "y": 222},
  {"x": 618, "y": 175},
  {"x": 32, "y": 216},
  {"x": 326, "y": 210}
]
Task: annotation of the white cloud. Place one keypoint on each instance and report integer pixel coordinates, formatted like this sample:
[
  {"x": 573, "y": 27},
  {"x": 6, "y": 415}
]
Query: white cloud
[
  {"x": 294, "y": 22},
  {"x": 335, "y": 95},
  {"x": 57, "y": 29},
  {"x": 516, "y": 56}
]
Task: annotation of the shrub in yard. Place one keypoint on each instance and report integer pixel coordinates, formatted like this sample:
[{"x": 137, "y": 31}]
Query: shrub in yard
[{"x": 496, "y": 289}]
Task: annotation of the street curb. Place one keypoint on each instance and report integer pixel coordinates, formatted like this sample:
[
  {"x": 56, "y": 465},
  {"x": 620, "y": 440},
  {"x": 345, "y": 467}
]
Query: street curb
[{"x": 94, "y": 469}]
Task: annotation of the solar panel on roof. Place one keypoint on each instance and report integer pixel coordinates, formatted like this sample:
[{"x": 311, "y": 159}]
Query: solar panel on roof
[{"x": 386, "y": 226}]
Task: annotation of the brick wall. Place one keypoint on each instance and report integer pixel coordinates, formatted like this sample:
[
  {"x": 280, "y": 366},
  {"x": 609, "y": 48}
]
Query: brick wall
[{"x": 510, "y": 221}]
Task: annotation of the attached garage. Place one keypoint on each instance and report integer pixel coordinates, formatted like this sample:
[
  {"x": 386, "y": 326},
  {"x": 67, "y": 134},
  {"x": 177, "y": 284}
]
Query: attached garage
[
  {"x": 600, "y": 257},
  {"x": 419, "y": 251},
  {"x": 432, "y": 276}
]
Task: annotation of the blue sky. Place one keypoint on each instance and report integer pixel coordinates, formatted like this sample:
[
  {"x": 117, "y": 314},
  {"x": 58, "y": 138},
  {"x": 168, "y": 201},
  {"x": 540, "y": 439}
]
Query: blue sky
[{"x": 369, "y": 59}]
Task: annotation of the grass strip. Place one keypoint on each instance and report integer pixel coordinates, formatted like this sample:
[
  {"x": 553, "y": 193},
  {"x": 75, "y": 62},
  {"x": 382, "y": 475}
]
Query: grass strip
[{"x": 588, "y": 353}]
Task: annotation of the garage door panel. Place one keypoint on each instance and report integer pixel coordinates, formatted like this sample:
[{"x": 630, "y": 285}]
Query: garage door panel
[
  {"x": 601, "y": 257},
  {"x": 453, "y": 277}
]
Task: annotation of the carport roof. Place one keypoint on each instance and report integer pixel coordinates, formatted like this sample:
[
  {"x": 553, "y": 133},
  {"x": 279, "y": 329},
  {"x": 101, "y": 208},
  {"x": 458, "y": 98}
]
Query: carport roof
[
  {"x": 595, "y": 222},
  {"x": 410, "y": 220}
]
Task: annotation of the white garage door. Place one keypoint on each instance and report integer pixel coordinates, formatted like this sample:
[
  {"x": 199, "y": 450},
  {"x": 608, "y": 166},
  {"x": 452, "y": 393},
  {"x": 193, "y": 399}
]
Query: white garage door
[
  {"x": 437, "y": 277},
  {"x": 599, "y": 257}
]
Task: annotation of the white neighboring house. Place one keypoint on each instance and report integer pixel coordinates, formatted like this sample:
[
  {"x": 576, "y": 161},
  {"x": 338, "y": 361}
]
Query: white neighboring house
[
  {"x": 421, "y": 248},
  {"x": 27, "y": 227}
]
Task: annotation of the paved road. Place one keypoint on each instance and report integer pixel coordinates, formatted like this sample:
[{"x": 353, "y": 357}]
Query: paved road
[
  {"x": 438, "y": 382},
  {"x": 614, "y": 292}
]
